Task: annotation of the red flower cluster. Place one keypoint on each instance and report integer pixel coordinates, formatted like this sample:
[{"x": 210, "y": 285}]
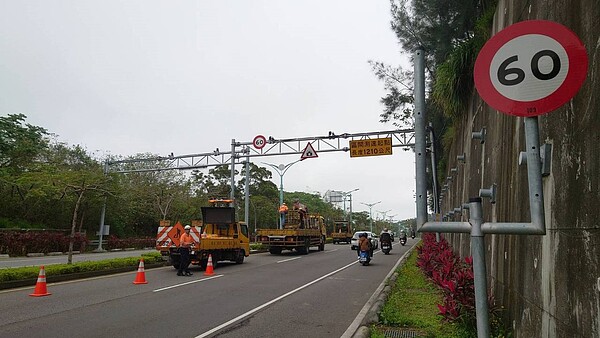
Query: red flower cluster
[{"x": 453, "y": 276}]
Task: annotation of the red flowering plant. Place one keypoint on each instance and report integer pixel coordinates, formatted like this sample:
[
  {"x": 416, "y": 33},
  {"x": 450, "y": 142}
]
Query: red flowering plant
[
  {"x": 452, "y": 275},
  {"x": 20, "y": 243}
]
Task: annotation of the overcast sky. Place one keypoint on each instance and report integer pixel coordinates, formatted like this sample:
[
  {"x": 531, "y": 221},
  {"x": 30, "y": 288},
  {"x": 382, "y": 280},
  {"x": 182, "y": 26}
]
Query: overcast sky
[{"x": 128, "y": 77}]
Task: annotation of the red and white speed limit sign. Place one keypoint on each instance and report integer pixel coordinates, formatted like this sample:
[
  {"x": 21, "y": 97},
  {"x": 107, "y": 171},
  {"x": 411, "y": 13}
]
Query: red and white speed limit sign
[
  {"x": 259, "y": 142},
  {"x": 530, "y": 68}
]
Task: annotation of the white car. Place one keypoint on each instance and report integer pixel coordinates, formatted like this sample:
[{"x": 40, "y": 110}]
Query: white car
[{"x": 370, "y": 235}]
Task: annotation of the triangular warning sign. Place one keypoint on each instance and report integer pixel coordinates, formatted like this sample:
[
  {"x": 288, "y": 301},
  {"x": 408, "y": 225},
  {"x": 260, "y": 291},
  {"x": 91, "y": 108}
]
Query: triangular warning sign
[{"x": 309, "y": 152}]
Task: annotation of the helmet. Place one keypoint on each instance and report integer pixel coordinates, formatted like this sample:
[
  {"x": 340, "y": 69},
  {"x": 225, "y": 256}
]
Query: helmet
[
  {"x": 385, "y": 229},
  {"x": 187, "y": 227}
]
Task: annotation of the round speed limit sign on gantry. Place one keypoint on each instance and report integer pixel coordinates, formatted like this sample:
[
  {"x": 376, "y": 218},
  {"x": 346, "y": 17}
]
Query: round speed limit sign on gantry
[
  {"x": 530, "y": 68},
  {"x": 259, "y": 142}
]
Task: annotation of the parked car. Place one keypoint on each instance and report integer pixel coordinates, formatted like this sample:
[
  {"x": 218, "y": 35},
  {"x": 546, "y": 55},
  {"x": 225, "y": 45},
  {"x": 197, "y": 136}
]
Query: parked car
[{"x": 370, "y": 235}]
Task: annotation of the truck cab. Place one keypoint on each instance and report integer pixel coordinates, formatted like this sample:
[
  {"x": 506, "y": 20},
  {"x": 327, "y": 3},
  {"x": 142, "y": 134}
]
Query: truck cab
[
  {"x": 218, "y": 236},
  {"x": 341, "y": 232}
]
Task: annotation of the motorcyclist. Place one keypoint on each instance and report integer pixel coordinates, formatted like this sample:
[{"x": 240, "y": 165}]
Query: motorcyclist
[
  {"x": 364, "y": 244},
  {"x": 403, "y": 234},
  {"x": 386, "y": 231},
  {"x": 386, "y": 235}
]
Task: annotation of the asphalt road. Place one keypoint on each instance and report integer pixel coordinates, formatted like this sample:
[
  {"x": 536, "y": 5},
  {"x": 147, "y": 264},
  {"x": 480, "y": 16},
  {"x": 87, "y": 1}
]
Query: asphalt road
[{"x": 288, "y": 295}]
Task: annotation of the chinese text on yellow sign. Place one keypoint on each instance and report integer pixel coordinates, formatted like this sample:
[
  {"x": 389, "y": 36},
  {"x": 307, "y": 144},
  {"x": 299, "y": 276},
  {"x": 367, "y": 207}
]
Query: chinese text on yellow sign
[{"x": 371, "y": 147}]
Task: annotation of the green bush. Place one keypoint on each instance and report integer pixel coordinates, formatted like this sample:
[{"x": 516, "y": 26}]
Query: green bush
[
  {"x": 256, "y": 246},
  {"x": 31, "y": 272}
]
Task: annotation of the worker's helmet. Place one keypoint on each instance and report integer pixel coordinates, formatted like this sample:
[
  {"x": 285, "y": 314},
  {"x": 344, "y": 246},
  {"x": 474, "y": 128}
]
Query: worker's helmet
[
  {"x": 385, "y": 229},
  {"x": 187, "y": 227},
  {"x": 283, "y": 203}
]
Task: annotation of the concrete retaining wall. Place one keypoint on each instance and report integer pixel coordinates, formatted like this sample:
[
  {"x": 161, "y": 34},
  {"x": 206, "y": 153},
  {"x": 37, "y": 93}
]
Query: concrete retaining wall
[{"x": 549, "y": 285}]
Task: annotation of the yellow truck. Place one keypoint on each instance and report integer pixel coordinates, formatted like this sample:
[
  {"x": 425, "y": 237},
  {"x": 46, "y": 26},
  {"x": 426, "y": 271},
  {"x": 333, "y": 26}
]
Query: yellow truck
[
  {"x": 341, "y": 232},
  {"x": 218, "y": 235},
  {"x": 297, "y": 234}
]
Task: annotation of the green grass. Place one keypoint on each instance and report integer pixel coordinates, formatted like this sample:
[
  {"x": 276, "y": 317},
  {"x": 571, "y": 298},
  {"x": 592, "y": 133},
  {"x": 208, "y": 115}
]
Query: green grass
[{"x": 412, "y": 304}]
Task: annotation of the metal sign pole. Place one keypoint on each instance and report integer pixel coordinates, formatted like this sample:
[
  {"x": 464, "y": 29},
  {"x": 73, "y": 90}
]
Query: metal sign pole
[
  {"x": 479, "y": 270},
  {"x": 420, "y": 143}
]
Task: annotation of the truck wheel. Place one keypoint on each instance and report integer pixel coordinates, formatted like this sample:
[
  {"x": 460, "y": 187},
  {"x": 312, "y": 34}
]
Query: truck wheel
[
  {"x": 240, "y": 258},
  {"x": 275, "y": 251},
  {"x": 306, "y": 248}
]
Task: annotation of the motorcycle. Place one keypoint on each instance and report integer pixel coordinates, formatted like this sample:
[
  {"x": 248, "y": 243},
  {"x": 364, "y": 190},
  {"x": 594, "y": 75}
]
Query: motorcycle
[
  {"x": 364, "y": 258},
  {"x": 402, "y": 240},
  {"x": 386, "y": 243},
  {"x": 386, "y": 248}
]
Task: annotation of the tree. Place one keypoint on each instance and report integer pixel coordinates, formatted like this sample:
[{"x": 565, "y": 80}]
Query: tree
[
  {"x": 20, "y": 143},
  {"x": 71, "y": 171},
  {"x": 437, "y": 26}
]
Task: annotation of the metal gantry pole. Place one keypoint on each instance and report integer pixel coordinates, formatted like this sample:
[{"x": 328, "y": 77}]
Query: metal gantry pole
[
  {"x": 420, "y": 142},
  {"x": 102, "y": 215},
  {"x": 232, "y": 193}
]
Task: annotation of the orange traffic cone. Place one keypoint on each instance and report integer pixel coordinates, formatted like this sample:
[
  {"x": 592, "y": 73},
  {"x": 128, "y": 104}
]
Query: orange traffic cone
[
  {"x": 209, "y": 267},
  {"x": 140, "y": 278},
  {"x": 40, "y": 286}
]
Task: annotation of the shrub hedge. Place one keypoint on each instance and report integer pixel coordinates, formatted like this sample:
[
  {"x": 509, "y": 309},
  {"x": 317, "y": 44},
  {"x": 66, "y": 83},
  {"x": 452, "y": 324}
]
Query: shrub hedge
[
  {"x": 31, "y": 272},
  {"x": 20, "y": 243}
]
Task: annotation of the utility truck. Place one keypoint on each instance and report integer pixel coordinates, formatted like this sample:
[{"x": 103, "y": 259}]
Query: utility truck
[
  {"x": 341, "y": 232},
  {"x": 300, "y": 232},
  {"x": 218, "y": 235}
]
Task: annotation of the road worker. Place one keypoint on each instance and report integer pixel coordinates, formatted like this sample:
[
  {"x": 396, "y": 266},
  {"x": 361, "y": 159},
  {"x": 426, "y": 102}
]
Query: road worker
[
  {"x": 283, "y": 209},
  {"x": 302, "y": 211},
  {"x": 186, "y": 241}
]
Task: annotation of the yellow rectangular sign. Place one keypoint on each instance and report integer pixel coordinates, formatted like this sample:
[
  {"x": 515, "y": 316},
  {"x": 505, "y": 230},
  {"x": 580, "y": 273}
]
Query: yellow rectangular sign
[{"x": 371, "y": 147}]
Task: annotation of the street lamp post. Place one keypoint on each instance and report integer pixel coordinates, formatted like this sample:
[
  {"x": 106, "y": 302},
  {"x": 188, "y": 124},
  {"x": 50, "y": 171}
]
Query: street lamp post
[
  {"x": 370, "y": 214},
  {"x": 384, "y": 214},
  {"x": 281, "y": 169},
  {"x": 349, "y": 193}
]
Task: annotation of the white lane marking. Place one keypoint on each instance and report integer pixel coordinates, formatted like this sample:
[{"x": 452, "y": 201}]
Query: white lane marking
[
  {"x": 186, "y": 283},
  {"x": 289, "y": 259},
  {"x": 256, "y": 309},
  {"x": 328, "y": 251}
]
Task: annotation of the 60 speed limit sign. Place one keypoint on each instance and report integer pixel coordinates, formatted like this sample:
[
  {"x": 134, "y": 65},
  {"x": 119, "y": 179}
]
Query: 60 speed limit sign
[{"x": 530, "y": 68}]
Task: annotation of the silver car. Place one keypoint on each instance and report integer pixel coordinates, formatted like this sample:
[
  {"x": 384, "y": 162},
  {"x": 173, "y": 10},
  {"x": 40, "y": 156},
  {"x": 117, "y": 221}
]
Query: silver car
[{"x": 370, "y": 235}]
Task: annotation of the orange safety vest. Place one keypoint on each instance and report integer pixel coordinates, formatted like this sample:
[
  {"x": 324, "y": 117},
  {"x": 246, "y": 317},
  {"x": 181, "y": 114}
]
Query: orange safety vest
[
  {"x": 283, "y": 209},
  {"x": 186, "y": 240}
]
